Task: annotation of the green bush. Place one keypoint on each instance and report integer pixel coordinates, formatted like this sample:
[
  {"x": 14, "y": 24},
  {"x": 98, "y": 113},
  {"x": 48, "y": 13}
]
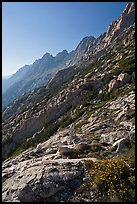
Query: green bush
[
  {"x": 17, "y": 152},
  {"x": 66, "y": 120},
  {"x": 126, "y": 66}
]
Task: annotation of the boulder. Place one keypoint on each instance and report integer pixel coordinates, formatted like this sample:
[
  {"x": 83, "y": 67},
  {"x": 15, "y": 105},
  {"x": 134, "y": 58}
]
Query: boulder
[
  {"x": 65, "y": 150},
  {"x": 123, "y": 79},
  {"x": 121, "y": 143},
  {"x": 113, "y": 84},
  {"x": 82, "y": 146}
]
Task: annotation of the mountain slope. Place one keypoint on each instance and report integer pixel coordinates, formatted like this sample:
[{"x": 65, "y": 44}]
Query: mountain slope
[
  {"x": 72, "y": 83},
  {"x": 73, "y": 139}
]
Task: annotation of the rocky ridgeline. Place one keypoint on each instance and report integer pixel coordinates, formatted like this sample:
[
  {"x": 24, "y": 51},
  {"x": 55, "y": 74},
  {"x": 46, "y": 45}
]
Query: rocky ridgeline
[
  {"x": 84, "y": 114},
  {"x": 119, "y": 26},
  {"x": 120, "y": 31}
]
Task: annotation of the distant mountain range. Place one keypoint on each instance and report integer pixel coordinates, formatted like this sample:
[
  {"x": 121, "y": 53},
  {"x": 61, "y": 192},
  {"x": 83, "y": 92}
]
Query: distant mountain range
[
  {"x": 32, "y": 76},
  {"x": 29, "y": 77},
  {"x": 4, "y": 83}
]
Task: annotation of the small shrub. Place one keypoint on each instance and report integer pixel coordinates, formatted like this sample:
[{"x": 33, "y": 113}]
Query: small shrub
[
  {"x": 79, "y": 113},
  {"x": 17, "y": 152},
  {"x": 125, "y": 65},
  {"x": 111, "y": 179},
  {"x": 66, "y": 120}
]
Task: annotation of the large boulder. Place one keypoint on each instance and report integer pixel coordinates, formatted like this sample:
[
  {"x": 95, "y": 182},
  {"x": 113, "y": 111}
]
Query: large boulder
[
  {"x": 65, "y": 150},
  {"x": 113, "y": 84},
  {"x": 121, "y": 144},
  {"x": 123, "y": 79},
  {"x": 41, "y": 180}
]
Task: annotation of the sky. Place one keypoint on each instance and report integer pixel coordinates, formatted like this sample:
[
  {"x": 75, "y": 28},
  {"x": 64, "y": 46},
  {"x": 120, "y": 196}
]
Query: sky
[{"x": 30, "y": 29}]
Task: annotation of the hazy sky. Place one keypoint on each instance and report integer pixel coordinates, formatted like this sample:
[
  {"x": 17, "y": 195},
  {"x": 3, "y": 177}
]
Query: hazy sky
[{"x": 30, "y": 29}]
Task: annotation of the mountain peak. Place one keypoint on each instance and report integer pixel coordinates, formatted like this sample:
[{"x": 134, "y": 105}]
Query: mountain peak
[
  {"x": 125, "y": 20},
  {"x": 129, "y": 8},
  {"x": 64, "y": 52},
  {"x": 47, "y": 55},
  {"x": 87, "y": 39}
]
